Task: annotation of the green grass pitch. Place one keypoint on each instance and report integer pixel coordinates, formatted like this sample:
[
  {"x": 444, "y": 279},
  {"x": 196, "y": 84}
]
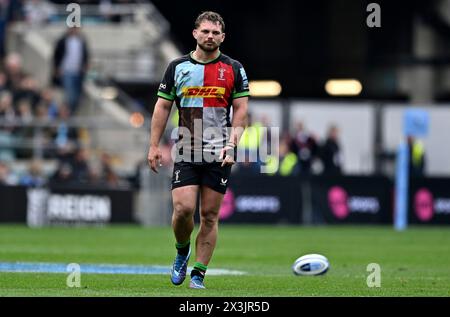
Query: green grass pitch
[{"x": 413, "y": 263}]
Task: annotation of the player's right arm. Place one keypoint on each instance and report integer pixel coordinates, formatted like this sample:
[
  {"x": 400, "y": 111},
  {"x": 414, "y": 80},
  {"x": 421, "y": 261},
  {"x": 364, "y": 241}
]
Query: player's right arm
[
  {"x": 166, "y": 96},
  {"x": 158, "y": 125}
]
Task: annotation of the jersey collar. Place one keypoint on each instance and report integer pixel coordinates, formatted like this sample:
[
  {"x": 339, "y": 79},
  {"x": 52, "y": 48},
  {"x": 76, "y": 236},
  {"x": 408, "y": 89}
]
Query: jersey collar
[{"x": 191, "y": 57}]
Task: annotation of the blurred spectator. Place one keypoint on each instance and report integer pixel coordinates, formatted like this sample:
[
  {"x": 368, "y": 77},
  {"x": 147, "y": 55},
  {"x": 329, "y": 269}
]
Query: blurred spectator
[
  {"x": 331, "y": 153},
  {"x": 70, "y": 62},
  {"x": 80, "y": 166},
  {"x": 24, "y": 112},
  {"x": 37, "y": 12},
  {"x": 63, "y": 175},
  {"x": 23, "y": 130},
  {"x": 41, "y": 113},
  {"x": 106, "y": 8},
  {"x": 28, "y": 90},
  {"x": 3, "y": 81},
  {"x": 10, "y": 11},
  {"x": 65, "y": 137},
  {"x": 286, "y": 162},
  {"x": 94, "y": 175},
  {"x": 107, "y": 12},
  {"x": 6, "y": 176},
  {"x": 48, "y": 101},
  {"x": 13, "y": 71},
  {"x": 7, "y": 118},
  {"x": 7, "y": 113},
  {"x": 109, "y": 176},
  {"x": 304, "y": 144},
  {"x": 416, "y": 156},
  {"x": 34, "y": 177},
  {"x": 251, "y": 138}
]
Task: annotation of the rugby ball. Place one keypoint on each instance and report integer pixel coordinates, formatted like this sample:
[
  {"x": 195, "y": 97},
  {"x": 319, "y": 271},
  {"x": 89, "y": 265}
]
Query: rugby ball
[{"x": 311, "y": 264}]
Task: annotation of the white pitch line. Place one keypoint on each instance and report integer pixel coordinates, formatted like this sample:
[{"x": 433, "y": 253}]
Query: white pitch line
[{"x": 100, "y": 268}]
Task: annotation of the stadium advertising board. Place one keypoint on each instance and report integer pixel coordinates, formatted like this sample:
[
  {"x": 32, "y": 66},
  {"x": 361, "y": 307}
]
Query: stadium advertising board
[
  {"x": 262, "y": 199},
  {"x": 68, "y": 206},
  {"x": 72, "y": 205},
  {"x": 429, "y": 201},
  {"x": 351, "y": 199}
]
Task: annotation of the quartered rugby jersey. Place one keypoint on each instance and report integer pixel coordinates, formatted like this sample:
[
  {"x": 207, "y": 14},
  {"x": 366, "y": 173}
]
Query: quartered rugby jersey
[{"x": 203, "y": 93}]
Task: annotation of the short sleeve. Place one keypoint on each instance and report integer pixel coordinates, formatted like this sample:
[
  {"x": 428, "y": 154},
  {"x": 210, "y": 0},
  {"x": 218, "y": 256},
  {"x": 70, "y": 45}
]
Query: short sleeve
[
  {"x": 241, "y": 88},
  {"x": 166, "y": 88}
]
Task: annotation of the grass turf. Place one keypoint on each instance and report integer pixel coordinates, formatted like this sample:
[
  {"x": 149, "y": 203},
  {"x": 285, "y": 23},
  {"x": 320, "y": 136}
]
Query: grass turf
[{"x": 413, "y": 263}]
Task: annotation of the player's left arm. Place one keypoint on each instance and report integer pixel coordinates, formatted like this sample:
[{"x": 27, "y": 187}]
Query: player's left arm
[{"x": 239, "y": 122}]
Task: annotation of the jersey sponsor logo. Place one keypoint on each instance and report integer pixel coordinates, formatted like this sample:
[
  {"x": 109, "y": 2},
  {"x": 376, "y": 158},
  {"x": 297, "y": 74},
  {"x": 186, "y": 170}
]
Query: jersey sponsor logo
[{"x": 203, "y": 92}]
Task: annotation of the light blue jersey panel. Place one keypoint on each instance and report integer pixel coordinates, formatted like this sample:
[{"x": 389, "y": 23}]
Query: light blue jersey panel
[{"x": 189, "y": 75}]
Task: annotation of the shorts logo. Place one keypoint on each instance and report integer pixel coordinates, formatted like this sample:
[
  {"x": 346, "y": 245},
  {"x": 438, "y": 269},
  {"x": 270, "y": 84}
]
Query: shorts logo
[
  {"x": 203, "y": 92},
  {"x": 223, "y": 182},
  {"x": 221, "y": 72},
  {"x": 177, "y": 175}
]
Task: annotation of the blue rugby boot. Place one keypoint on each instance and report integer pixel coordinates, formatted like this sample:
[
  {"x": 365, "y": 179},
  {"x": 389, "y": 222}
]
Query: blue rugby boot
[
  {"x": 179, "y": 268},
  {"x": 197, "y": 282}
]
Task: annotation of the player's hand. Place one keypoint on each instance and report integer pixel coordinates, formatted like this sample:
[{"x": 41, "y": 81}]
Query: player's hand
[
  {"x": 154, "y": 158},
  {"x": 227, "y": 154}
]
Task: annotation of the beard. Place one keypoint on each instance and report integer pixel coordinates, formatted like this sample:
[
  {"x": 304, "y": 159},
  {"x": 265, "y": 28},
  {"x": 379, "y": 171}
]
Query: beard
[{"x": 210, "y": 48}]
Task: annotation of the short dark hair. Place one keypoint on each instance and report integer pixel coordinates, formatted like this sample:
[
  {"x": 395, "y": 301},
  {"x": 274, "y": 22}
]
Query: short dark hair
[{"x": 212, "y": 17}]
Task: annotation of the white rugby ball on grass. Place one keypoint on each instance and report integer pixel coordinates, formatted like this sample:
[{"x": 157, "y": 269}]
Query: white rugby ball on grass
[{"x": 311, "y": 264}]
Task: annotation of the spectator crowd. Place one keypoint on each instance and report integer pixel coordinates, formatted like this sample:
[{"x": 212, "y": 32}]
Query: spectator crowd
[{"x": 300, "y": 152}]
